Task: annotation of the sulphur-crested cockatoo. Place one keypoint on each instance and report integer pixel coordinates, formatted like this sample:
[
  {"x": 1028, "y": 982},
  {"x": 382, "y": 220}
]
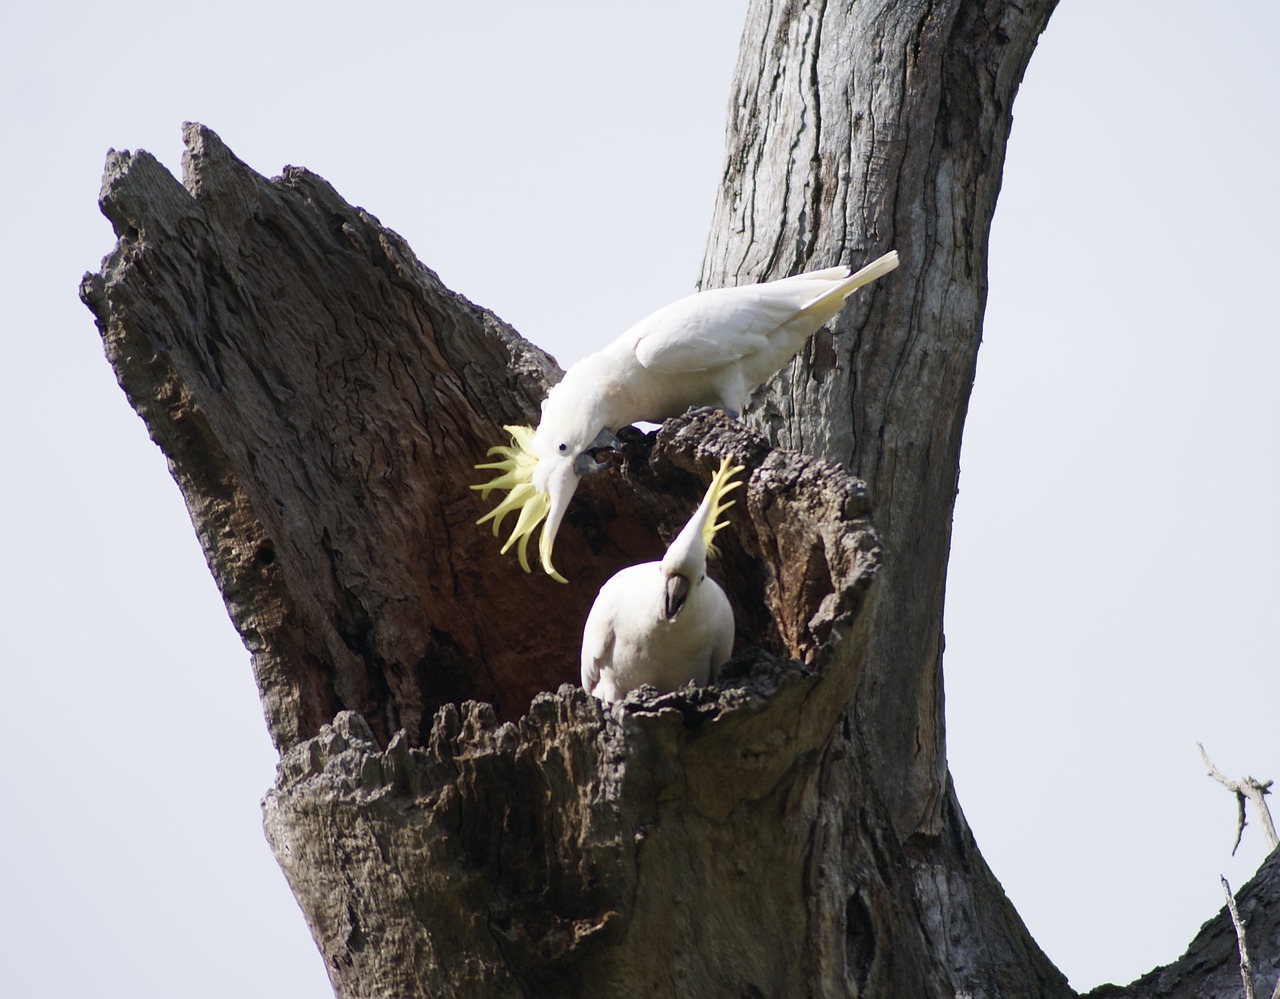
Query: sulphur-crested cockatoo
[
  {"x": 712, "y": 348},
  {"x": 663, "y": 623}
]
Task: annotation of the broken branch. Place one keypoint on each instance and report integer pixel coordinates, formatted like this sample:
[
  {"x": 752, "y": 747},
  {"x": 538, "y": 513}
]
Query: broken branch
[
  {"x": 1250, "y": 788},
  {"x": 1246, "y": 967}
]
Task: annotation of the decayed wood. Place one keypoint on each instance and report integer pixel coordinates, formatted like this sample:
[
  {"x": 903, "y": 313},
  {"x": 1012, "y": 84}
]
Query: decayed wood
[
  {"x": 657, "y": 847},
  {"x": 321, "y": 400},
  {"x": 454, "y": 816}
]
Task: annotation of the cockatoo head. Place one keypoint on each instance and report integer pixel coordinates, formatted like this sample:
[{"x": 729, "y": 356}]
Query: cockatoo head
[
  {"x": 541, "y": 470},
  {"x": 684, "y": 567}
]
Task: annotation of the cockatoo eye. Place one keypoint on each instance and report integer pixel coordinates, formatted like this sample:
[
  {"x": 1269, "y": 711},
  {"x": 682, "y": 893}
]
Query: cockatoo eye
[{"x": 563, "y": 447}]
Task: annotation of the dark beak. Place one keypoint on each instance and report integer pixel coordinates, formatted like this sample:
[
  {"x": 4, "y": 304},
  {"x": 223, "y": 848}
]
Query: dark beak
[{"x": 676, "y": 594}]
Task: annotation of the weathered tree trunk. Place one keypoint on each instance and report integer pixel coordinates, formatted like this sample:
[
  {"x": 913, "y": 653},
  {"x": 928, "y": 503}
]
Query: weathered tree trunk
[
  {"x": 838, "y": 152},
  {"x": 455, "y": 816},
  {"x": 321, "y": 399},
  {"x": 853, "y": 129}
]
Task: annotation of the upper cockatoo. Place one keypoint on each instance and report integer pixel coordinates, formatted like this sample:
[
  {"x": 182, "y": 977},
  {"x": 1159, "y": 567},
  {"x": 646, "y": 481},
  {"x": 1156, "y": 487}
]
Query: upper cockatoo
[
  {"x": 711, "y": 348},
  {"x": 663, "y": 623}
]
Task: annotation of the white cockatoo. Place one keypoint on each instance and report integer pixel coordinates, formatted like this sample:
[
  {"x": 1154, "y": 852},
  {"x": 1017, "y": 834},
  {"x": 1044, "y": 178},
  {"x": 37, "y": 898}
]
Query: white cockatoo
[
  {"x": 711, "y": 348},
  {"x": 663, "y": 623}
]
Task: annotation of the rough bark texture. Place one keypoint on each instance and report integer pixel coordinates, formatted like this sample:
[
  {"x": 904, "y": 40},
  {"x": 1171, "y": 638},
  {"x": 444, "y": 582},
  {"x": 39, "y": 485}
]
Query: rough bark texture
[
  {"x": 854, "y": 129},
  {"x": 321, "y": 399},
  {"x": 455, "y": 817},
  {"x": 658, "y": 847}
]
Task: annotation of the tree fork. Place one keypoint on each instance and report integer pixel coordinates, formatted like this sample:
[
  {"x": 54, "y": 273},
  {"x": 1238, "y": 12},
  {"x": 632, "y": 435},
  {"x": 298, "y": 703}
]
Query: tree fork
[
  {"x": 321, "y": 400},
  {"x": 452, "y": 817}
]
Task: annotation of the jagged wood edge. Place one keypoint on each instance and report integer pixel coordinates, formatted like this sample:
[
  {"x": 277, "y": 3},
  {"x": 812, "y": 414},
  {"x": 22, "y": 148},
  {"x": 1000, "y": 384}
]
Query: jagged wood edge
[{"x": 722, "y": 748}]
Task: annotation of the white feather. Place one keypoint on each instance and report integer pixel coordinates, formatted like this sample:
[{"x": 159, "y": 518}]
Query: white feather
[
  {"x": 712, "y": 348},
  {"x": 741, "y": 336},
  {"x": 628, "y": 641},
  {"x": 632, "y": 637},
  {"x": 723, "y": 325}
]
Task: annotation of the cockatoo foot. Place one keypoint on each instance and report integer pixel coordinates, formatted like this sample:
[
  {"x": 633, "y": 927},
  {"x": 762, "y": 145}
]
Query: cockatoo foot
[{"x": 599, "y": 454}]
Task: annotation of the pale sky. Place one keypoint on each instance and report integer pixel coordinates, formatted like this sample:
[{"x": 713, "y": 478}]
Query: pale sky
[{"x": 1112, "y": 586}]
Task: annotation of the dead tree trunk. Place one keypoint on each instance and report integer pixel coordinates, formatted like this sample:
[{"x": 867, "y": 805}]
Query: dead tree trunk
[
  {"x": 838, "y": 152},
  {"x": 853, "y": 129},
  {"x": 457, "y": 818}
]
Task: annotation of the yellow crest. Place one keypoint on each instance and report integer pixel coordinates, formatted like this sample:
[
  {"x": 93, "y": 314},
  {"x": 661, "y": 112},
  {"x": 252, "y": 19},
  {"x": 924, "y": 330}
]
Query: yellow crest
[
  {"x": 721, "y": 485},
  {"x": 516, "y": 476}
]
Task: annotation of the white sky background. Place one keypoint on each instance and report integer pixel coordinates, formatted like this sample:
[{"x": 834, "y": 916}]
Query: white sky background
[{"x": 1113, "y": 588}]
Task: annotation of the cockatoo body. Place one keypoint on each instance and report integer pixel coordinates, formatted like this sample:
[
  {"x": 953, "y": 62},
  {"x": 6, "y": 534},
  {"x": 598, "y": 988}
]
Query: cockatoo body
[
  {"x": 663, "y": 623},
  {"x": 712, "y": 348}
]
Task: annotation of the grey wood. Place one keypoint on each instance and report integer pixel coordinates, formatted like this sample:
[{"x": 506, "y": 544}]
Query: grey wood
[{"x": 454, "y": 815}]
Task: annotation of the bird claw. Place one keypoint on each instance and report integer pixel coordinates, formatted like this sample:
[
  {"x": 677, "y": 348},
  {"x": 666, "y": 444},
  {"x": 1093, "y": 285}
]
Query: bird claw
[
  {"x": 590, "y": 461},
  {"x": 605, "y": 441},
  {"x": 585, "y": 464}
]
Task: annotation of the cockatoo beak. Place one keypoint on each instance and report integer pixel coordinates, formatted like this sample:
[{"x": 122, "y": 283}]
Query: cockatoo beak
[
  {"x": 674, "y": 596},
  {"x": 538, "y": 488},
  {"x": 559, "y": 484}
]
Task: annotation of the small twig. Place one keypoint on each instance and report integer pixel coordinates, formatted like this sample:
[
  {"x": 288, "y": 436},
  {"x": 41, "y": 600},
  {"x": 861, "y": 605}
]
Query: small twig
[
  {"x": 1256, "y": 792},
  {"x": 1246, "y": 968}
]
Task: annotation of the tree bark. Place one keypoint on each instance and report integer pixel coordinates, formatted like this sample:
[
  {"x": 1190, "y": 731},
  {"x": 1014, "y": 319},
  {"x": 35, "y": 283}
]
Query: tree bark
[
  {"x": 454, "y": 815},
  {"x": 855, "y": 129},
  {"x": 321, "y": 400}
]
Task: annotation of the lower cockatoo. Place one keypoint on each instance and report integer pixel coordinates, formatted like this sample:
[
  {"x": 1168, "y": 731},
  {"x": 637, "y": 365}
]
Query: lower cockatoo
[
  {"x": 663, "y": 623},
  {"x": 711, "y": 348}
]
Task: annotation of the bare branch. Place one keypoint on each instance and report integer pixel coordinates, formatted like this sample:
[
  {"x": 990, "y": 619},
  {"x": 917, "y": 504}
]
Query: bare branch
[
  {"x": 1252, "y": 789},
  {"x": 1246, "y": 967}
]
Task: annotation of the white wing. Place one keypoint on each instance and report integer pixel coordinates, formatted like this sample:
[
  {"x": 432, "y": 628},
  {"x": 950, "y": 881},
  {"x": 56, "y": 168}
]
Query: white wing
[
  {"x": 713, "y": 328},
  {"x": 597, "y": 640},
  {"x": 723, "y": 629}
]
